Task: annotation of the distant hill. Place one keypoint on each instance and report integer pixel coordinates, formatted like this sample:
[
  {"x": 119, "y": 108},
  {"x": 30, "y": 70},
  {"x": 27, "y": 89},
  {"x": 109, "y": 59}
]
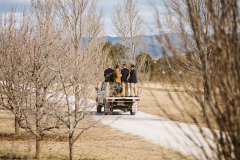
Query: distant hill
[{"x": 154, "y": 48}]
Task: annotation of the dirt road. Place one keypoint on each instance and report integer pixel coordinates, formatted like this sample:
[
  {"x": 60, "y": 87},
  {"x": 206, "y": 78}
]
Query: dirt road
[{"x": 161, "y": 131}]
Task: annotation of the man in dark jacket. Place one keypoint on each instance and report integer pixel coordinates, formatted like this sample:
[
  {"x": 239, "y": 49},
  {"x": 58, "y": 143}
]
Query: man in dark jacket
[
  {"x": 133, "y": 80},
  {"x": 108, "y": 74},
  {"x": 125, "y": 73}
]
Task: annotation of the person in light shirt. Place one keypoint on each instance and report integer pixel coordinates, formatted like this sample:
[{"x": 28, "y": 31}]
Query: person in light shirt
[{"x": 117, "y": 80}]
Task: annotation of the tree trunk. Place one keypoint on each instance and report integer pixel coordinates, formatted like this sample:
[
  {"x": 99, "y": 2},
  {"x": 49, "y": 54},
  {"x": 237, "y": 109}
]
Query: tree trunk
[
  {"x": 206, "y": 100},
  {"x": 16, "y": 126},
  {"x": 70, "y": 149},
  {"x": 38, "y": 148},
  {"x": 206, "y": 87},
  {"x": 38, "y": 124}
]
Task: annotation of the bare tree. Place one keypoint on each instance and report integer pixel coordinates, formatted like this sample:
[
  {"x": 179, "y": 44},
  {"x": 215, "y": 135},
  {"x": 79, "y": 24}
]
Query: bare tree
[
  {"x": 215, "y": 48},
  {"x": 25, "y": 78},
  {"x": 129, "y": 26},
  {"x": 78, "y": 63},
  {"x": 47, "y": 65},
  {"x": 9, "y": 65},
  {"x": 177, "y": 10}
]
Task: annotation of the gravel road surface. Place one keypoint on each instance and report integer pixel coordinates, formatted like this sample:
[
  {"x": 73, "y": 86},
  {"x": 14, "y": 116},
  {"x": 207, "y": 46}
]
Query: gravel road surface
[
  {"x": 161, "y": 131},
  {"x": 177, "y": 136}
]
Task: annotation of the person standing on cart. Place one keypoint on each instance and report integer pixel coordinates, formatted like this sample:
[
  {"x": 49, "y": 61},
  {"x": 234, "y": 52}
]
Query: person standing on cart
[
  {"x": 133, "y": 80},
  {"x": 108, "y": 74},
  {"x": 125, "y": 74},
  {"x": 117, "y": 80}
]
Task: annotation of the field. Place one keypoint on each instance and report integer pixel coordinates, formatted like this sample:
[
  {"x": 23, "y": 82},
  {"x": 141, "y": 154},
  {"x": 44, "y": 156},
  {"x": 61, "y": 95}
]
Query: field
[
  {"x": 172, "y": 102},
  {"x": 100, "y": 141}
]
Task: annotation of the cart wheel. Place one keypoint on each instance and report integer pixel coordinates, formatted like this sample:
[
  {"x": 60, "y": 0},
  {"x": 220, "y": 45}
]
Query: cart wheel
[
  {"x": 99, "y": 108},
  {"x": 108, "y": 111},
  {"x": 132, "y": 113}
]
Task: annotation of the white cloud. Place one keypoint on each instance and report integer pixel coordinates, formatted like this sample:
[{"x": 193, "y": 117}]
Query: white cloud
[
  {"x": 146, "y": 10},
  {"x": 15, "y": 1}
]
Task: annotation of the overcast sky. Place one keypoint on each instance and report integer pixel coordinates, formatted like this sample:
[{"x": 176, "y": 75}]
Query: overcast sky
[{"x": 108, "y": 8}]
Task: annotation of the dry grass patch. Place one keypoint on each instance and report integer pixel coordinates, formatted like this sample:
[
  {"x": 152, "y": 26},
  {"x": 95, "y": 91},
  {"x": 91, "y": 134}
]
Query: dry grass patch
[
  {"x": 99, "y": 142},
  {"x": 172, "y": 102}
]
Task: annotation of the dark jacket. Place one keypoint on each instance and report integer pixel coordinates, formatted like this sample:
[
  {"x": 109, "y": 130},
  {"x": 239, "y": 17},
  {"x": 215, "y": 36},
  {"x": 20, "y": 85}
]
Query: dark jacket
[
  {"x": 108, "y": 74},
  {"x": 133, "y": 76},
  {"x": 125, "y": 73}
]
